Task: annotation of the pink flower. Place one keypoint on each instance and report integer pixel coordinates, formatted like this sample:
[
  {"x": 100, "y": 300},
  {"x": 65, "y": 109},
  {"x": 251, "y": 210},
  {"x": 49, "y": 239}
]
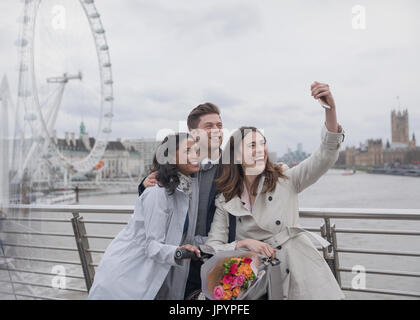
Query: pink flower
[
  {"x": 235, "y": 282},
  {"x": 247, "y": 260},
  {"x": 240, "y": 279},
  {"x": 218, "y": 292},
  {"x": 227, "y": 279},
  {"x": 233, "y": 268}
]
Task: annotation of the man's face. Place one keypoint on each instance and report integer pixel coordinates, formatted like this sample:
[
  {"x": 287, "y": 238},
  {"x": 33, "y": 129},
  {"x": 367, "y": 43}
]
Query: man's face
[{"x": 209, "y": 132}]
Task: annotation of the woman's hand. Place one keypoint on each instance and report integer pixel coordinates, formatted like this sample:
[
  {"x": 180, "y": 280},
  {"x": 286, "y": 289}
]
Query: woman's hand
[
  {"x": 256, "y": 246},
  {"x": 322, "y": 91},
  {"x": 150, "y": 181},
  {"x": 191, "y": 248}
]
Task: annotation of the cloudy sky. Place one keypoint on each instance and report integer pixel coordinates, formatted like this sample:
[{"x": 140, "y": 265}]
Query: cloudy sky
[{"x": 255, "y": 59}]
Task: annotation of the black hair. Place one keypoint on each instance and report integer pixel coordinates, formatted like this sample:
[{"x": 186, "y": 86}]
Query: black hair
[{"x": 164, "y": 161}]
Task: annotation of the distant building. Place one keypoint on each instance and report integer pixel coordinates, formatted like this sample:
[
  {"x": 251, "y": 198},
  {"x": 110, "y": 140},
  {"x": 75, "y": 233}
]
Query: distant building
[
  {"x": 291, "y": 158},
  {"x": 119, "y": 161},
  {"x": 146, "y": 149},
  {"x": 401, "y": 150},
  {"x": 116, "y": 157},
  {"x": 399, "y": 129}
]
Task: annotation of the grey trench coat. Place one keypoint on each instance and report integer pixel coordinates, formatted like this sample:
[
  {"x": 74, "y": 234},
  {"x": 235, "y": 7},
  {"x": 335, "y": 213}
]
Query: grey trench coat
[
  {"x": 139, "y": 263},
  {"x": 275, "y": 220}
]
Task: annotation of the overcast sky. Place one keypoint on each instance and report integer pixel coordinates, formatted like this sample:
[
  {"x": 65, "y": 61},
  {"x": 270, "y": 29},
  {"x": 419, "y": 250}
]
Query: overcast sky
[{"x": 255, "y": 59}]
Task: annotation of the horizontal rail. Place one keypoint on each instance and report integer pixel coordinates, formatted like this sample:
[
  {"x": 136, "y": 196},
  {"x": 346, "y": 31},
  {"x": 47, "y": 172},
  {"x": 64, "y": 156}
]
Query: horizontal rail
[
  {"x": 382, "y": 291},
  {"x": 33, "y": 284},
  {"x": 385, "y": 272},
  {"x": 41, "y": 273},
  {"x": 371, "y": 231},
  {"x": 99, "y": 236},
  {"x": 339, "y": 213},
  {"x": 105, "y": 222},
  {"x": 40, "y": 233},
  {"x": 37, "y": 219},
  {"x": 74, "y": 208},
  {"x": 43, "y": 260},
  {"x": 29, "y": 295},
  {"x": 38, "y": 247},
  {"x": 95, "y": 251},
  {"x": 379, "y": 231},
  {"x": 381, "y": 252},
  {"x": 357, "y": 213}
]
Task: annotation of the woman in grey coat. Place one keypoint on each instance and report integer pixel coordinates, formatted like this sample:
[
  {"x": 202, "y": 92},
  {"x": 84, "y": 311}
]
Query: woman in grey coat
[
  {"x": 140, "y": 263},
  {"x": 262, "y": 199}
]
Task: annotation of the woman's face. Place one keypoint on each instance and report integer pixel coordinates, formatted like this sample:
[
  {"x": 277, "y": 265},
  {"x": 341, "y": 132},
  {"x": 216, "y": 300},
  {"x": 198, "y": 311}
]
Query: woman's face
[
  {"x": 254, "y": 153},
  {"x": 187, "y": 159}
]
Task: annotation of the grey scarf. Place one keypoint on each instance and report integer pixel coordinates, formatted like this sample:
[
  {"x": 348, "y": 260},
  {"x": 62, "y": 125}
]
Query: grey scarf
[{"x": 185, "y": 184}]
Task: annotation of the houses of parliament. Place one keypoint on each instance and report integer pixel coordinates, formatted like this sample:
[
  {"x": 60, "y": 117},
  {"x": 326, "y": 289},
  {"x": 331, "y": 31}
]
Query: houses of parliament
[{"x": 401, "y": 150}]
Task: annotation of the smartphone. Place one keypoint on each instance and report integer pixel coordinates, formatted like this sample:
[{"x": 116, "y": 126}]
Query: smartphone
[{"x": 324, "y": 105}]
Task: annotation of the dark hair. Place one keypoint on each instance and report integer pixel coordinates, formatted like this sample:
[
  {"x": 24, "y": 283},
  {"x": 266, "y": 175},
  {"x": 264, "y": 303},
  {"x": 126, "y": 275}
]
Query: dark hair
[
  {"x": 194, "y": 117},
  {"x": 167, "y": 171},
  {"x": 231, "y": 179}
]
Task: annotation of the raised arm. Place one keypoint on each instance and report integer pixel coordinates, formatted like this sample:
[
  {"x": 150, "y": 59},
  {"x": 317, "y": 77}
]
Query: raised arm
[{"x": 332, "y": 135}]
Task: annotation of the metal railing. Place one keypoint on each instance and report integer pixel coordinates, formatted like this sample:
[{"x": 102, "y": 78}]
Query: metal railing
[{"x": 76, "y": 219}]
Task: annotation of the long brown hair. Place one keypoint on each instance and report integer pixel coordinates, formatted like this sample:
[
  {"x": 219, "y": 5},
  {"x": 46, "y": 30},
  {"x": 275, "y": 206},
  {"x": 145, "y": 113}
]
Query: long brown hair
[{"x": 231, "y": 180}]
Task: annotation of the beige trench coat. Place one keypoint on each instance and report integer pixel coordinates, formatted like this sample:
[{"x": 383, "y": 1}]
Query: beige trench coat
[{"x": 275, "y": 220}]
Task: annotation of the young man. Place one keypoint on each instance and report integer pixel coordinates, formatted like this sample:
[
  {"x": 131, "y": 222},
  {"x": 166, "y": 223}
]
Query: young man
[{"x": 205, "y": 125}]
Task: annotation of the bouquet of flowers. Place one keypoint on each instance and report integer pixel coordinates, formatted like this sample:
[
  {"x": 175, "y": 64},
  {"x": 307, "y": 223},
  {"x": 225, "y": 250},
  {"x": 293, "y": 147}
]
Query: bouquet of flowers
[
  {"x": 236, "y": 278},
  {"x": 233, "y": 275}
]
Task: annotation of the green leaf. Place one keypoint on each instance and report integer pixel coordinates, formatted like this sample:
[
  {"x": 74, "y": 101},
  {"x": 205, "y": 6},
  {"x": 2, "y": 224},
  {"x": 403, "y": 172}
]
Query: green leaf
[{"x": 245, "y": 285}]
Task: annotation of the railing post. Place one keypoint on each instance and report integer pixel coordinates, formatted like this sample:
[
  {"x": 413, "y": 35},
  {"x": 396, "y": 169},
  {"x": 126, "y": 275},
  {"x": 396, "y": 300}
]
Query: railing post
[
  {"x": 335, "y": 252},
  {"x": 330, "y": 253},
  {"x": 83, "y": 247}
]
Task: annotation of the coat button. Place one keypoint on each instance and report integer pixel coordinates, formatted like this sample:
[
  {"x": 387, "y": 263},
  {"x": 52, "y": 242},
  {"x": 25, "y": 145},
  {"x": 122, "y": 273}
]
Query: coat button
[
  {"x": 287, "y": 270},
  {"x": 278, "y": 222},
  {"x": 270, "y": 198},
  {"x": 240, "y": 220},
  {"x": 279, "y": 247}
]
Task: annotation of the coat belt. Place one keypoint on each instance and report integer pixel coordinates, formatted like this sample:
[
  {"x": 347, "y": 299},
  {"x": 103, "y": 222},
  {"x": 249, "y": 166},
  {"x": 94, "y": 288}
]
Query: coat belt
[{"x": 292, "y": 232}]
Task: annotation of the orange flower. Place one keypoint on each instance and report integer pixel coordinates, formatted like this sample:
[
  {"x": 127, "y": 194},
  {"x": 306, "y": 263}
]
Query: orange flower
[
  {"x": 227, "y": 286},
  {"x": 236, "y": 291},
  {"x": 245, "y": 269},
  {"x": 227, "y": 295}
]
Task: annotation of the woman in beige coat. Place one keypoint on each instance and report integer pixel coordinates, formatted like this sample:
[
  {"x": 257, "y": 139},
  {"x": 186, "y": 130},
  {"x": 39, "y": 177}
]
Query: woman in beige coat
[{"x": 262, "y": 197}]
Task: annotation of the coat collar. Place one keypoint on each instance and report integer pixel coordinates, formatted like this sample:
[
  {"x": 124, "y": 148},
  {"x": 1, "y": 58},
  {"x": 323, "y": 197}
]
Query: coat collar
[{"x": 235, "y": 206}]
